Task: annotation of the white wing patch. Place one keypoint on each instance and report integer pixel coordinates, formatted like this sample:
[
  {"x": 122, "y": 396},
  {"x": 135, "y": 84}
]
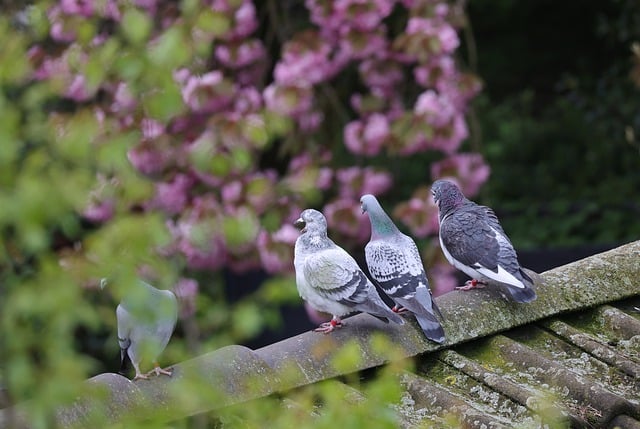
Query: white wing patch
[{"x": 502, "y": 276}]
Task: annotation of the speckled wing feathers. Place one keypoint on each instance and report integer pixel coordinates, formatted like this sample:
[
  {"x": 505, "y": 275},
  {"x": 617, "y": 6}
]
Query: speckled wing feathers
[{"x": 397, "y": 269}]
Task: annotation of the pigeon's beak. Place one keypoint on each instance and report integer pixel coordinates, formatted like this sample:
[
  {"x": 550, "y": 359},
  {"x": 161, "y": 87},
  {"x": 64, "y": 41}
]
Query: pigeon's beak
[
  {"x": 363, "y": 209},
  {"x": 299, "y": 223}
]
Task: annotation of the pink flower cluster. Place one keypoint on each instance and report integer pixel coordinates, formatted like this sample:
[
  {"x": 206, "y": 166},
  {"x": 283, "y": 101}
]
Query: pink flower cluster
[{"x": 228, "y": 203}]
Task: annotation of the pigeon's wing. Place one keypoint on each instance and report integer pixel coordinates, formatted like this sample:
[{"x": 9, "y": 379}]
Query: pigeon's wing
[
  {"x": 167, "y": 317},
  {"x": 397, "y": 268},
  {"x": 470, "y": 239},
  {"x": 476, "y": 239},
  {"x": 125, "y": 325},
  {"x": 335, "y": 275}
]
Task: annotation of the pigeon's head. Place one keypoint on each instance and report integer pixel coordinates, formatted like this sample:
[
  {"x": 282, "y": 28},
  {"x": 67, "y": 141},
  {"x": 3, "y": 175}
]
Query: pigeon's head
[
  {"x": 368, "y": 202},
  {"x": 311, "y": 220},
  {"x": 446, "y": 194}
]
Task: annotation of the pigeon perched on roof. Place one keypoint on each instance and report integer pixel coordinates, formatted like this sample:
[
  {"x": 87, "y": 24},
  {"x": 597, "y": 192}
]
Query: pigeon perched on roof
[
  {"x": 146, "y": 319},
  {"x": 329, "y": 279},
  {"x": 395, "y": 264},
  {"x": 474, "y": 242}
]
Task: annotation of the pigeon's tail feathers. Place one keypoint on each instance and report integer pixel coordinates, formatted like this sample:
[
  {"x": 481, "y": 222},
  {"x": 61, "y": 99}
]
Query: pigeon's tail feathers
[
  {"x": 426, "y": 301},
  {"x": 378, "y": 309},
  {"x": 437, "y": 309},
  {"x": 431, "y": 327},
  {"x": 523, "y": 295}
]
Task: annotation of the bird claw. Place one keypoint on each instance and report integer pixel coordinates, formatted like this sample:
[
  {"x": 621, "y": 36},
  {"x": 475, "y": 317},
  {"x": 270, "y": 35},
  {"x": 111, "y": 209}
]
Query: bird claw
[
  {"x": 399, "y": 309},
  {"x": 141, "y": 377},
  {"x": 157, "y": 371},
  {"x": 472, "y": 284},
  {"x": 327, "y": 327}
]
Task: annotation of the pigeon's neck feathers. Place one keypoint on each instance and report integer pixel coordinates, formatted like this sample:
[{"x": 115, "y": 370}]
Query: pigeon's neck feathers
[
  {"x": 381, "y": 223},
  {"x": 452, "y": 202},
  {"x": 316, "y": 239}
]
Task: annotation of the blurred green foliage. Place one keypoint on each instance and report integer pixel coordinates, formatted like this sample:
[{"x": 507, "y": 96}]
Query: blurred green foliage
[{"x": 558, "y": 119}]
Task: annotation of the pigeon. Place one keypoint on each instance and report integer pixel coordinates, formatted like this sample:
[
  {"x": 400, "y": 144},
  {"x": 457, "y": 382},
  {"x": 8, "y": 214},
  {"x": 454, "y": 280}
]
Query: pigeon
[
  {"x": 474, "y": 242},
  {"x": 395, "y": 264},
  {"x": 329, "y": 279},
  {"x": 146, "y": 319}
]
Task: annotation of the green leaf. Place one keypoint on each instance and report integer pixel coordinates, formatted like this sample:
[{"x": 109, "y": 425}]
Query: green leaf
[
  {"x": 171, "y": 50},
  {"x": 136, "y": 26}
]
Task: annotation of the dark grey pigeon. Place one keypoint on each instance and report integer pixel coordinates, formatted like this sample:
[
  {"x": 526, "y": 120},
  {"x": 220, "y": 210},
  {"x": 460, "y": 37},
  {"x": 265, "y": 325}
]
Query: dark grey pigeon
[
  {"x": 474, "y": 242},
  {"x": 329, "y": 279},
  {"x": 395, "y": 264}
]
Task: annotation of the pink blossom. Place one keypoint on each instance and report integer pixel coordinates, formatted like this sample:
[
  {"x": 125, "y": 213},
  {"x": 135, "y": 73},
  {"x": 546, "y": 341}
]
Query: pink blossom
[
  {"x": 123, "y": 100},
  {"x": 186, "y": 291},
  {"x": 443, "y": 277},
  {"x": 247, "y": 100},
  {"x": 208, "y": 93},
  {"x": 148, "y": 158},
  {"x": 469, "y": 169},
  {"x": 172, "y": 196},
  {"x": 232, "y": 192},
  {"x": 304, "y": 61},
  {"x": 288, "y": 100},
  {"x": 368, "y": 137},
  {"x": 276, "y": 250},
  {"x": 244, "y": 18},
  {"x": 356, "y": 181},
  {"x": 344, "y": 216},
  {"x": 77, "y": 7},
  {"x": 358, "y": 44},
  {"x": 381, "y": 73},
  {"x": 325, "y": 177},
  {"x": 242, "y": 54},
  {"x": 77, "y": 89},
  {"x": 61, "y": 29},
  {"x": 151, "y": 129},
  {"x": 99, "y": 211},
  {"x": 419, "y": 213},
  {"x": 310, "y": 121}
]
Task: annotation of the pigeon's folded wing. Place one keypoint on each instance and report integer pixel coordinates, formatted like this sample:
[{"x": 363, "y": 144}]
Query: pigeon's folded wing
[
  {"x": 398, "y": 271},
  {"x": 471, "y": 240},
  {"x": 335, "y": 275}
]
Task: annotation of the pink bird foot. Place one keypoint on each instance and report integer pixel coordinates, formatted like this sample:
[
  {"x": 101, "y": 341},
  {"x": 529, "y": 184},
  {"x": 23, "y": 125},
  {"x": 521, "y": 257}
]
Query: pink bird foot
[
  {"x": 472, "y": 284},
  {"x": 327, "y": 327},
  {"x": 399, "y": 309},
  {"x": 140, "y": 376},
  {"x": 157, "y": 371}
]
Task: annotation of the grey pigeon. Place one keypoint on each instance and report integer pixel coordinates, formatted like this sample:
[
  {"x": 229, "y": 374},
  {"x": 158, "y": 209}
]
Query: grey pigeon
[
  {"x": 329, "y": 279},
  {"x": 394, "y": 262},
  {"x": 146, "y": 319},
  {"x": 474, "y": 242}
]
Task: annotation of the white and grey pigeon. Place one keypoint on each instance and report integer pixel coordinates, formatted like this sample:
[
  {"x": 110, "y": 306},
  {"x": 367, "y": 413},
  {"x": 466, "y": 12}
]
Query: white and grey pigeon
[
  {"x": 474, "y": 242},
  {"x": 146, "y": 318},
  {"x": 395, "y": 264},
  {"x": 329, "y": 279}
]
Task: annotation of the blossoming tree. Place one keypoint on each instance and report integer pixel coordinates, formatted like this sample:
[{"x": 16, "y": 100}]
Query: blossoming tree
[{"x": 243, "y": 113}]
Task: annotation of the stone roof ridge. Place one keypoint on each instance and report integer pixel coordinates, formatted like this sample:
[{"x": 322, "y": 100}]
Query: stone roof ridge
[{"x": 240, "y": 374}]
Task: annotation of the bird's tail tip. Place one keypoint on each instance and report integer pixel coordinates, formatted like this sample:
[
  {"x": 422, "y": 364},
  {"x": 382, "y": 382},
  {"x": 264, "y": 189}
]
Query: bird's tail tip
[
  {"x": 432, "y": 329},
  {"x": 528, "y": 294}
]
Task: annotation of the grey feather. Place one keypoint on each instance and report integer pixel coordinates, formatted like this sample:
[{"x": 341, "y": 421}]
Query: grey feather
[
  {"x": 395, "y": 264},
  {"x": 328, "y": 278},
  {"x": 473, "y": 241}
]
